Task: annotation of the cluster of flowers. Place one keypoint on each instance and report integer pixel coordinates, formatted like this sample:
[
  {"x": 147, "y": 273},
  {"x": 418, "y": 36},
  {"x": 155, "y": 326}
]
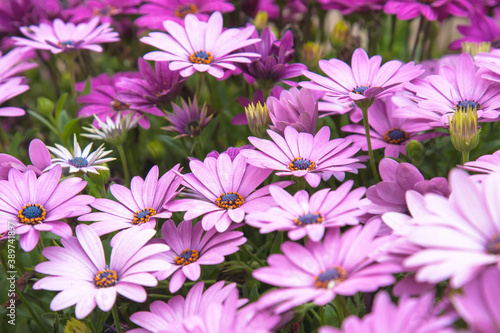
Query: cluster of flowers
[{"x": 341, "y": 241}]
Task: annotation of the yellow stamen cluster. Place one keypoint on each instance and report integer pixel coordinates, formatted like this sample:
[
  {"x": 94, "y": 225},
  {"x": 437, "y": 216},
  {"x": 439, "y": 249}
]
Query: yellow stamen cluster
[
  {"x": 183, "y": 10},
  {"x": 180, "y": 260},
  {"x": 105, "y": 278},
  {"x": 144, "y": 219},
  {"x": 26, "y": 220},
  {"x": 229, "y": 204},
  {"x": 329, "y": 283},
  {"x": 195, "y": 59},
  {"x": 318, "y": 220},
  {"x": 292, "y": 166},
  {"x": 464, "y": 129},
  {"x": 474, "y": 48}
]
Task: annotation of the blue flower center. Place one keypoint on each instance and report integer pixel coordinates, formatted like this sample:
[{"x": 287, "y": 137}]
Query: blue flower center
[
  {"x": 79, "y": 162},
  {"x": 32, "y": 214},
  {"x": 201, "y": 57},
  {"x": 330, "y": 278},
  {"x": 67, "y": 43},
  {"x": 299, "y": 163},
  {"x": 395, "y": 136},
  {"x": 360, "y": 90},
  {"x": 229, "y": 200},
  {"x": 105, "y": 278},
  {"x": 493, "y": 245},
  {"x": 186, "y": 257},
  {"x": 310, "y": 218},
  {"x": 462, "y": 105},
  {"x": 143, "y": 216}
]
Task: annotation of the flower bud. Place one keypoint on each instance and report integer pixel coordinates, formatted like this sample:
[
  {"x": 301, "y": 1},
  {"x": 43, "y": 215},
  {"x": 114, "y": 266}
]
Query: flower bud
[
  {"x": 311, "y": 54},
  {"x": 415, "y": 152},
  {"x": 339, "y": 35},
  {"x": 474, "y": 48},
  {"x": 75, "y": 326},
  {"x": 260, "y": 20},
  {"x": 258, "y": 118},
  {"x": 45, "y": 106},
  {"x": 101, "y": 178},
  {"x": 464, "y": 130}
]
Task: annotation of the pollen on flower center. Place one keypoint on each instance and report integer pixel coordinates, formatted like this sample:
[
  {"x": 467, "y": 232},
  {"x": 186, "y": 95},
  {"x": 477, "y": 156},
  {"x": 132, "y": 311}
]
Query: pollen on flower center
[
  {"x": 310, "y": 218},
  {"x": 299, "y": 163},
  {"x": 105, "y": 278},
  {"x": 32, "y": 214},
  {"x": 119, "y": 106},
  {"x": 330, "y": 278},
  {"x": 183, "y": 10},
  {"x": 186, "y": 257},
  {"x": 192, "y": 128},
  {"x": 493, "y": 245},
  {"x": 360, "y": 90},
  {"x": 79, "y": 162},
  {"x": 142, "y": 216},
  {"x": 395, "y": 136},
  {"x": 462, "y": 105},
  {"x": 201, "y": 57},
  {"x": 105, "y": 11},
  {"x": 66, "y": 44},
  {"x": 229, "y": 200}
]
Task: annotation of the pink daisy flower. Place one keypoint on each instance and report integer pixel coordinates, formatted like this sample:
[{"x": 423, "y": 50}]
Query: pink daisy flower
[
  {"x": 34, "y": 204},
  {"x": 14, "y": 61},
  {"x": 303, "y": 216},
  {"x": 188, "y": 120},
  {"x": 190, "y": 248},
  {"x": 201, "y": 46},
  {"x": 482, "y": 29},
  {"x": 39, "y": 157},
  {"x": 432, "y": 10},
  {"x": 485, "y": 165},
  {"x": 223, "y": 190},
  {"x": 79, "y": 270},
  {"x": 66, "y": 37},
  {"x": 304, "y": 155},
  {"x": 137, "y": 208},
  {"x": 10, "y": 89},
  {"x": 341, "y": 265}
]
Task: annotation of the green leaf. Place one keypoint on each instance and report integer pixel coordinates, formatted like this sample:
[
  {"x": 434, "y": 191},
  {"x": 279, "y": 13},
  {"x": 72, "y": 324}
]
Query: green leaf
[
  {"x": 174, "y": 144},
  {"x": 254, "y": 293},
  {"x": 88, "y": 85},
  {"x": 206, "y": 135},
  {"x": 277, "y": 243},
  {"x": 60, "y": 105},
  {"x": 44, "y": 121},
  {"x": 331, "y": 316},
  {"x": 70, "y": 128}
]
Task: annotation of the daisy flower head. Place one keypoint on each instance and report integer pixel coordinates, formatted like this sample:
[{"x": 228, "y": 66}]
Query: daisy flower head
[
  {"x": 39, "y": 157},
  {"x": 484, "y": 165},
  {"x": 112, "y": 131},
  {"x": 302, "y": 215},
  {"x": 10, "y": 89},
  {"x": 138, "y": 207},
  {"x": 14, "y": 61},
  {"x": 81, "y": 161},
  {"x": 188, "y": 120},
  {"x": 431, "y": 10},
  {"x": 341, "y": 265},
  {"x": 364, "y": 81},
  {"x": 201, "y": 46},
  {"x": 67, "y": 37},
  {"x": 223, "y": 190},
  {"x": 34, "y": 204},
  {"x": 190, "y": 248},
  {"x": 79, "y": 270},
  {"x": 304, "y": 155},
  {"x": 105, "y": 10}
]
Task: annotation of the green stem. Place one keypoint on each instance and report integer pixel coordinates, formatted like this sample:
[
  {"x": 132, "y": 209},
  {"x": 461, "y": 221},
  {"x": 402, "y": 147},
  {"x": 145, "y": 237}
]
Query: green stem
[
  {"x": 343, "y": 311},
  {"x": 123, "y": 157},
  {"x": 114, "y": 311},
  {"x": 322, "y": 315},
  {"x": 315, "y": 314},
  {"x": 417, "y": 38},
  {"x": 71, "y": 67},
  {"x": 199, "y": 86},
  {"x": 30, "y": 310},
  {"x": 465, "y": 157},
  {"x": 253, "y": 256},
  {"x": 4, "y": 140},
  {"x": 369, "y": 143},
  {"x": 103, "y": 191}
]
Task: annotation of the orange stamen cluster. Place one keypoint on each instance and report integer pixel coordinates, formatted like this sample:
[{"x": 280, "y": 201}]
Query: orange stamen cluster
[
  {"x": 32, "y": 214},
  {"x": 493, "y": 245},
  {"x": 299, "y": 163},
  {"x": 119, "y": 106},
  {"x": 187, "y": 257},
  {"x": 396, "y": 141},
  {"x": 330, "y": 278},
  {"x": 310, "y": 218},
  {"x": 105, "y": 278},
  {"x": 201, "y": 57},
  {"x": 139, "y": 216},
  {"x": 183, "y": 10},
  {"x": 230, "y": 200}
]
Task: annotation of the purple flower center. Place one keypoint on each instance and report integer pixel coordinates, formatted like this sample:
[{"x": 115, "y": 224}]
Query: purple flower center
[
  {"x": 32, "y": 214},
  {"x": 395, "y": 136},
  {"x": 192, "y": 128},
  {"x": 299, "y": 163},
  {"x": 186, "y": 257},
  {"x": 310, "y": 218},
  {"x": 201, "y": 57},
  {"x": 330, "y": 278},
  {"x": 462, "y": 105},
  {"x": 183, "y": 10},
  {"x": 360, "y": 90},
  {"x": 119, "y": 105},
  {"x": 105, "y": 278},
  {"x": 142, "y": 216},
  {"x": 493, "y": 245},
  {"x": 229, "y": 200},
  {"x": 79, "y": 162}
]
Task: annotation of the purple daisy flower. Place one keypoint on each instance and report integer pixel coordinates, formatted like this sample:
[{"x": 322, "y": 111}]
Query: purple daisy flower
[
  {"x": 366, "y": 80},
  {"x": 138, "y": 208},
  {"x": 387, "y": 131},
  {"x": 273, "y": 64},
  {"x": 482, "y": 29},
  {"x": 39, "y": 156},
  {"x": 103, "y": 9},
  {"x": 303, "y": 216},
  {"x": 485, "y": 165},
  {"x": 341, "y": 265},
  {"x": 490, "y": 61},
  {"x": 189, "y": 120},
  {"x": 14, "y": 62},
  {"x": 201, "y": 46},
  {"x": 66, "y": 37},
  {"x": 10, "y": 89},
  {"x": 34, "y": 204},
  {"x": 223, "y": 190},
  {"x": 155, "y": 12},
  {"x": 433, "y": 10},
  {"x": 155, "y": 89},
  {"x": 329, "y": 106},
  {"x": 79, "y": 270},
  {"x": 304, "y": 155},
  {"x": 190, "y": 248},
  {"x": 163, "y": 315},
  {"x": 352, "y": 6}
]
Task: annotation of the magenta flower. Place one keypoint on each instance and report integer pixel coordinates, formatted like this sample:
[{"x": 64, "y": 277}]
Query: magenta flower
[
  {"x": 411, "y": 315},
  {"x": 34, "y": 204},
  {"x": 103, "y": 9},
  {"x": 14, "y": 62},
  {"x": 9, "y": 89},
  {"x": 39, "y": 156},
  {"x": 66, "y": 37},
  {"x": 155, "y": 12},
  {"x": 459, "y": 236},
  {"x": 189, "y": 120},
  {"x": 162, "y": 316},
  {"x": 189, "y": 249},
  {"x": 432, "y": 10},
  {"x": 440, "y": 95},
  {"x": 490, "y": 61},
  {"x": 201, "y": 46},
  {"x": 482, "y": 29},
  {"x": 79, "y": 270},
  {"x": 366, "y": 80},
  {"x": 223, "y": 190},
  {"x": 303, "y": 216},
  {"x": 485, "y": 165},
  {"x": 387, "y": 131},
  {"x": 138, "y": 208},
  {"x": 304, "y": 155},
  {"x": 352, "y": 6},
  {"x": 341, "y": 265}
]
